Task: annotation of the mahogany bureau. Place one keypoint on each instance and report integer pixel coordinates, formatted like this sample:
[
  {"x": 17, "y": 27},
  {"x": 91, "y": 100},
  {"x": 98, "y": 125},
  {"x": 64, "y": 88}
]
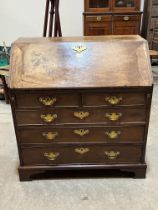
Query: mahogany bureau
[{"x": 81, "y": 104}]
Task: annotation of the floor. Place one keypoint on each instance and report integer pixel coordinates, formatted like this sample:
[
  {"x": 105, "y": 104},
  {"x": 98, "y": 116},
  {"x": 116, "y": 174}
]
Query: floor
[{"x": 80, "y": 194}]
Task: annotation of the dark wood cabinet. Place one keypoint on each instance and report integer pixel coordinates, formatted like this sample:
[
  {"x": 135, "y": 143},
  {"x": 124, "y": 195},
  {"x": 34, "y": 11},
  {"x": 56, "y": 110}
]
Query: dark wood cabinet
[
  {"x": 118, "y": 17},
  {"x": 77, "y": 106}
]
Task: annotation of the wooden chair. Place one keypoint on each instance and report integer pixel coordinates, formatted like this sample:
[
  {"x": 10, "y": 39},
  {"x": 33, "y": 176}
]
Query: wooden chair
[
  {"x": 154, "y": 52},
  {"x": 3, "y": 74}
]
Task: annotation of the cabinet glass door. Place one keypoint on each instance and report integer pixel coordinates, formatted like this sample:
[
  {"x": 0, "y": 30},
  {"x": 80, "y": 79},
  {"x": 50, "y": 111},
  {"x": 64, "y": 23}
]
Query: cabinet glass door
[
  {"x": 98, "y": 4},
  {"x": 124, "y": 3}
]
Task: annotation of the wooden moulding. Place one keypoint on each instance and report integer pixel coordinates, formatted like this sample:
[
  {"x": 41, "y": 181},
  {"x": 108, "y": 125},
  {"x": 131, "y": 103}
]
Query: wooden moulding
[{"x": 28, "y": 173}]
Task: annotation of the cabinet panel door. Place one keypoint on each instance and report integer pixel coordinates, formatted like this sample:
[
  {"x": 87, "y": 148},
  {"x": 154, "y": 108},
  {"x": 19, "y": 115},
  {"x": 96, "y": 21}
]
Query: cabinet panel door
[
  {"x": 94, "y": 29},
  {"x": 97, "y": 5},
  {"x": 125, "y": 4},
  {"x": 126, "y": 25},
  {"x": 98, "y": 25}
]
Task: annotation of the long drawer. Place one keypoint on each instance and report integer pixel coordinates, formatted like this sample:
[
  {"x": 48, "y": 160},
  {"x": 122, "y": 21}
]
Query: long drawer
[
  {"x": 83, "y": 115},
  {"x": 49, "y": 134},
  {"x": 81, "y": 155}
]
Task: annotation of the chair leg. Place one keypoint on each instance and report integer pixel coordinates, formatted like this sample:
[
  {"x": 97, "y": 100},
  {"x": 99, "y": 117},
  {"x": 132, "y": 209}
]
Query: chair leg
[
  {"x": 59, "y": 28},
  {"x": 51, "y": 18},
  {"x": 6, "y": 95},
  {"x": 46, "y": 19}
]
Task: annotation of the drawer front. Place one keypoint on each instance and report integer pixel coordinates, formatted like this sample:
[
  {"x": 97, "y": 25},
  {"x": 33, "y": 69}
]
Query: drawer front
[
  {"x": 126, "y": 29},
  {"x": 98, "y": 25},
  {"x": 126, "y": 25},
  {"x": 25, "y": 100},
  {"x": 81, "y": 134},
  {"x": 154, "y": 10},
  {"x": 101, "y": 99},
  {"x": 83, "y": 115},
  {"x": 126, "y": 18},
  {"x": 81, "y": 155},
  {"x": 99, "y": 18}
]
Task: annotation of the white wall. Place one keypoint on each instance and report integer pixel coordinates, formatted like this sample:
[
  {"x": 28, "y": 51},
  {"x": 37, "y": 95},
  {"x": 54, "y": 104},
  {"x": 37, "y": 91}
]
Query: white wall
[{"x": 24, "y": 18}]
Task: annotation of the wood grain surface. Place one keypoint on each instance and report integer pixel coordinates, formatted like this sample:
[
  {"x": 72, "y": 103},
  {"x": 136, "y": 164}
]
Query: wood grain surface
[{"x": 108, "y": 61}]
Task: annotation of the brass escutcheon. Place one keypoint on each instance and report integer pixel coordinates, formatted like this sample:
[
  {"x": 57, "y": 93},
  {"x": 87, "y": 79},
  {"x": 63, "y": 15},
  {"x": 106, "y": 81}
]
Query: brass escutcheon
[
  {"x": 79, "y": 49},
  {"x": 99, "y": 18},
  {"x": 81, "y": 132},
  {"x": 113, "y": 116},
  {"x": 111, "y": 154},
  {"x": 48, "y": 117},
  {"x": 82, "y": 150},
  {"x": 51, "y": 155},
  {"x": 47, "y": 101},
  {"x": 113, "y": 134},
  {"x": 50, "y": 135},
  {"x": 81, "y": 115},
  {"x": 113, "y": 100}
]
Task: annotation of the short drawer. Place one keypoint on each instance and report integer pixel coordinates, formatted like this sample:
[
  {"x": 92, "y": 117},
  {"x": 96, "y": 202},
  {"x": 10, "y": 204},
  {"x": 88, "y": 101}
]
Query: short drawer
[
  {"x": 80, "y": 116},
  {"x": 39, "y": 100},
  {"x": 49, "y": 134},
  {"x": 114, "y": 99},
  {"x": 126, "y": 18},
  {"x": 81, "y": 154},
  {"x": 99, "y": 18}
]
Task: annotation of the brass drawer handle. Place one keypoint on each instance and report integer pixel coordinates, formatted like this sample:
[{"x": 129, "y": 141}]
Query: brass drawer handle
[
  {"x": 47, "y": 101},
  {"x": 81, "y": 115},
  {"x": 112, "y": 154},
  {"x": 113, "y": 116},
  {"x": 82, "y": 150},
  {"x": 81, "y": 132},
  {"x": 50, "y": 135},
  {"x": 113, "y": 134},
  {"x": 126, "y": 18},
  {"x": 48, "y": 117},
  {"x": 113, "y": 100},
  {"x": 51, "y": 155},
  {"x": 99, "y": 18}
]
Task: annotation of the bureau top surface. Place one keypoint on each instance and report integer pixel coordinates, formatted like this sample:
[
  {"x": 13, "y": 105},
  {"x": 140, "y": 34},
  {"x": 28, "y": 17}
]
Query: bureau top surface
[{"x": 80, "y": 62}]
